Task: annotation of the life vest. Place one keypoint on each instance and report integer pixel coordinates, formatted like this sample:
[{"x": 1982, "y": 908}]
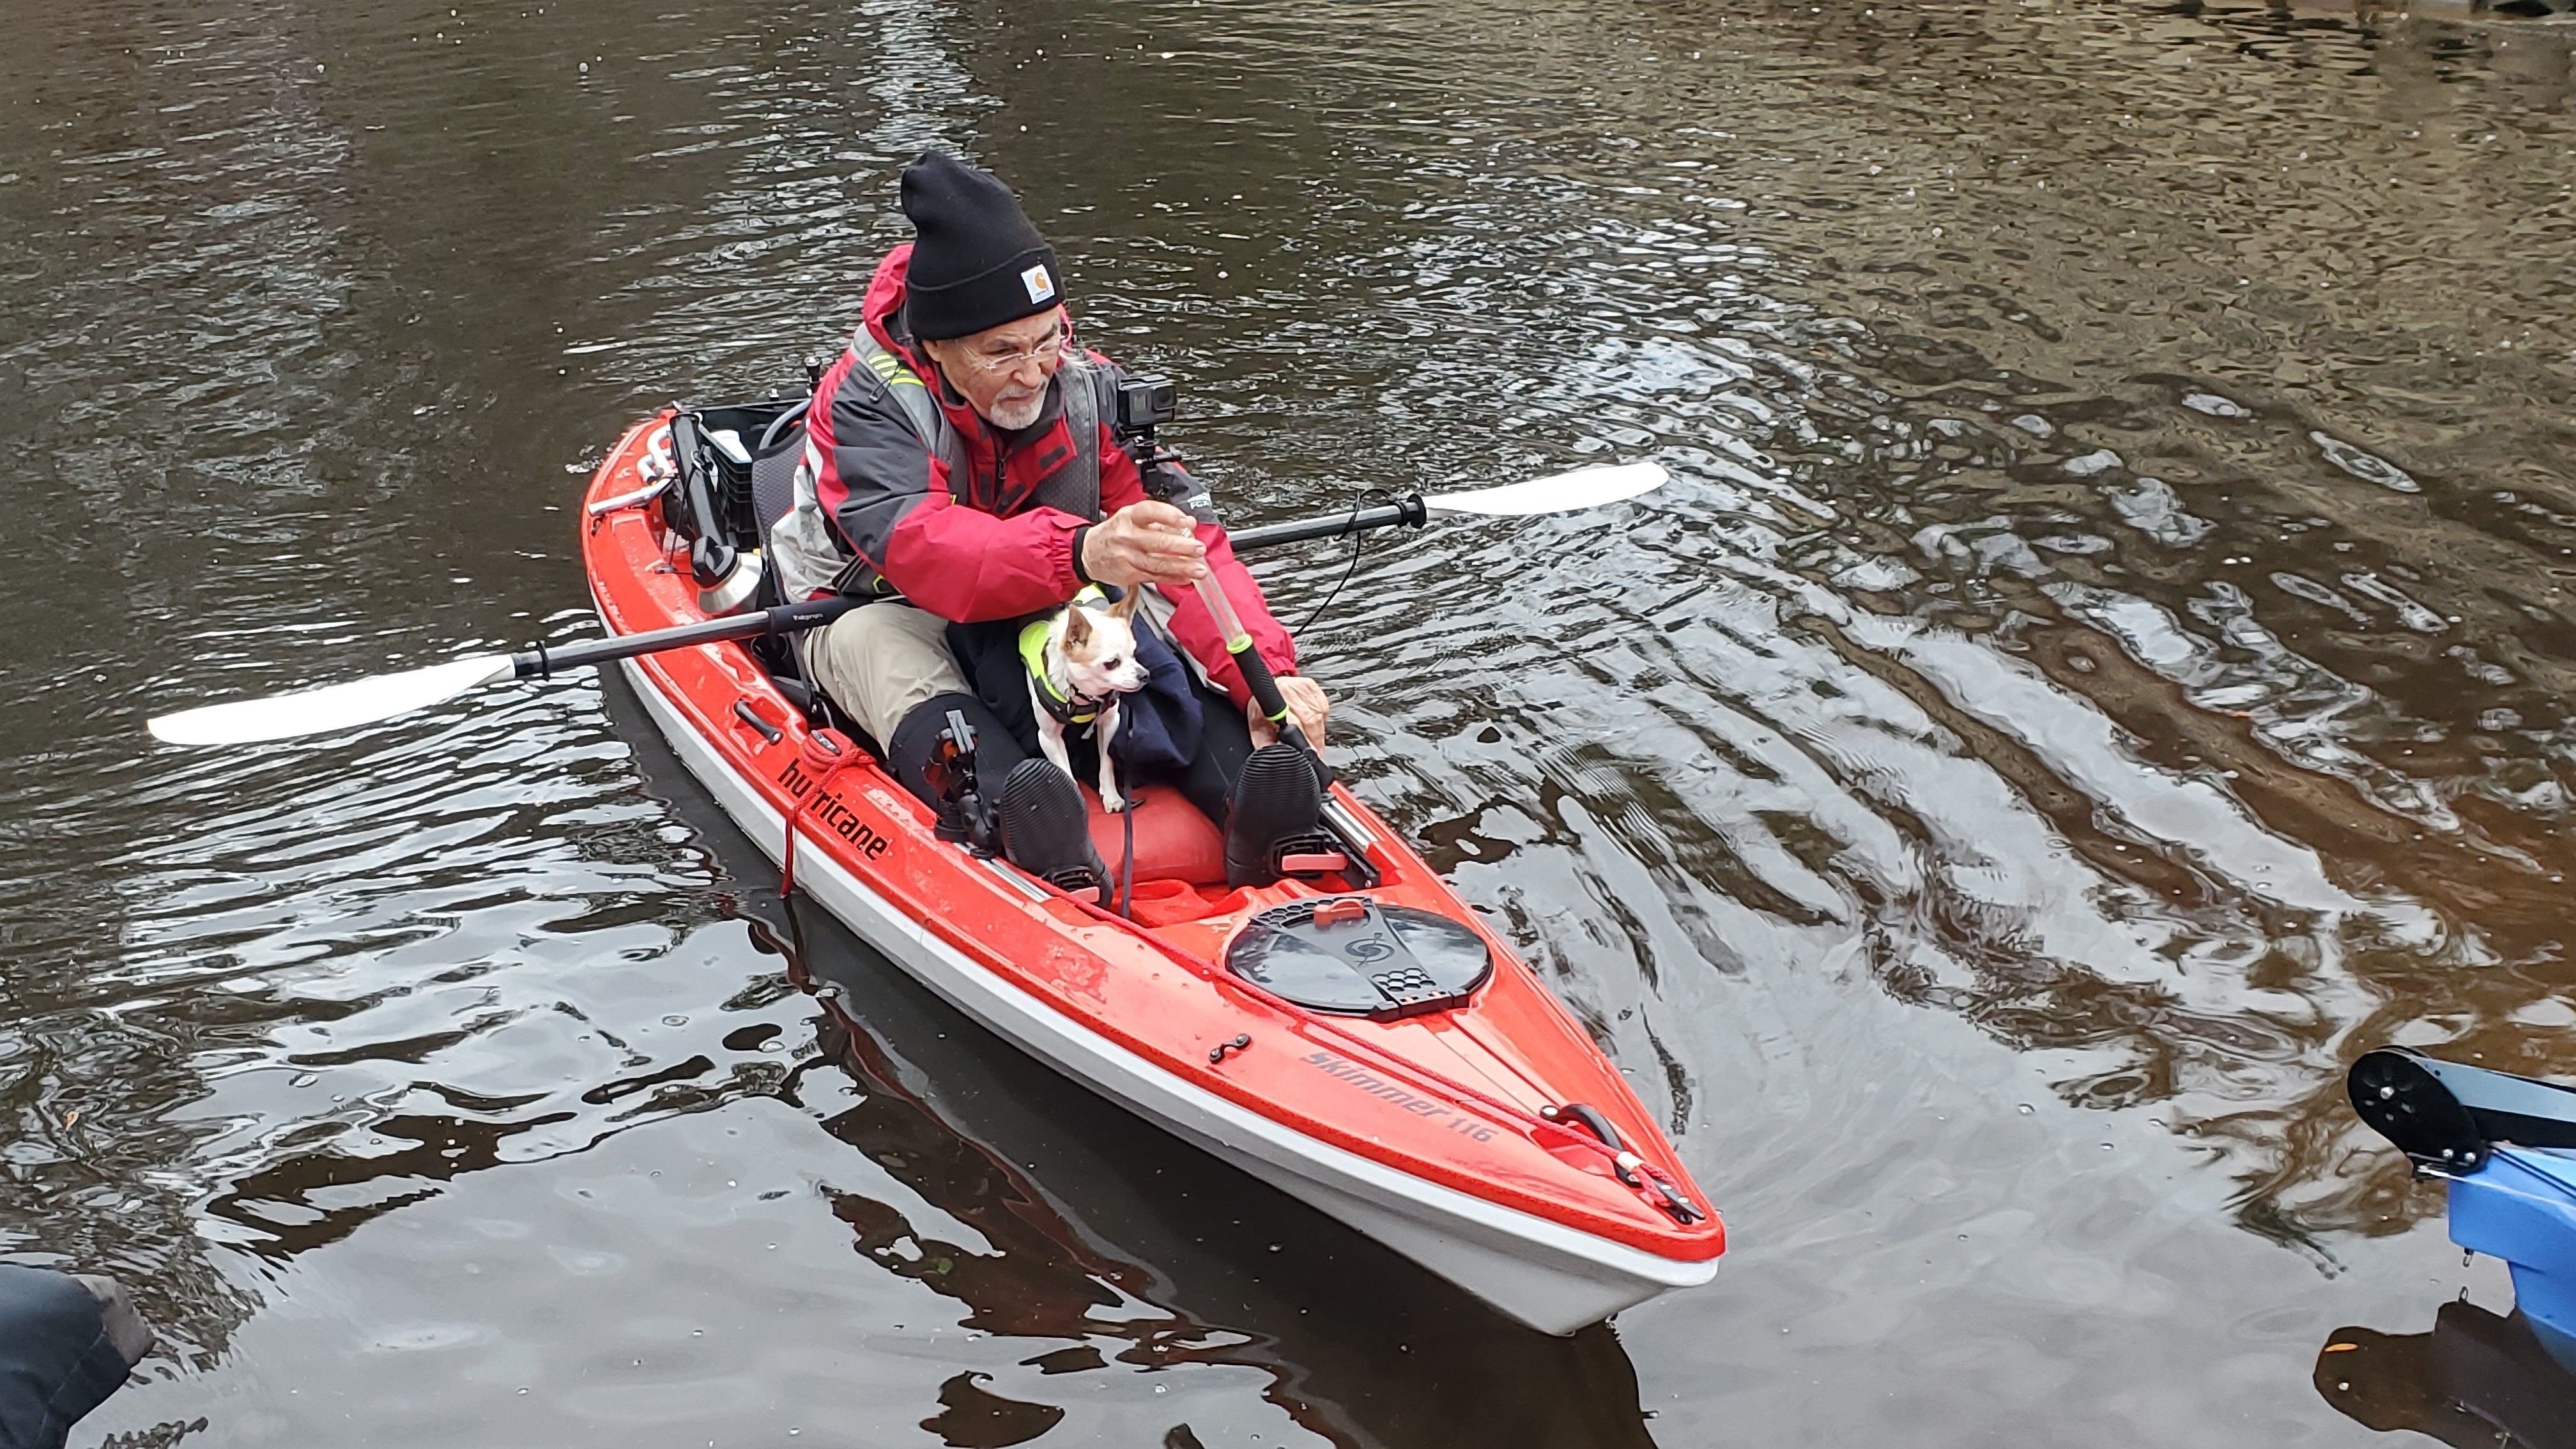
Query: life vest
[{"x": 809, "y": 556}]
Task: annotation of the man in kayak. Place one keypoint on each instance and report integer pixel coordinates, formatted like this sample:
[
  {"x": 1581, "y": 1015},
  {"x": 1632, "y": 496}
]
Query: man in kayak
[{"x": 961, "y": 466}]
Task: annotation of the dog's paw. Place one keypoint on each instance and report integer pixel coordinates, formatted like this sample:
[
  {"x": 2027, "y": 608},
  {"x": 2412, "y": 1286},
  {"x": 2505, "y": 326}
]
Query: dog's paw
[{"x": 1113, "y": 802}]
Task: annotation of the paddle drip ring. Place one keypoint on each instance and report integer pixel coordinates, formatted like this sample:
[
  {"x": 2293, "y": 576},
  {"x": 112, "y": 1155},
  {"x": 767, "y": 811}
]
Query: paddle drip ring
[{"x": 824, "y": 754}]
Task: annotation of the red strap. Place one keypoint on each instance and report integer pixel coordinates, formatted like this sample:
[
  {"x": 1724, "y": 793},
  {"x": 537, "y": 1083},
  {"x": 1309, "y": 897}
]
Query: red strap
[
  {"x": 823, "y": 754},
  {"x": 1339, "y": 910},
  {"x": 1321, "y": 862}
]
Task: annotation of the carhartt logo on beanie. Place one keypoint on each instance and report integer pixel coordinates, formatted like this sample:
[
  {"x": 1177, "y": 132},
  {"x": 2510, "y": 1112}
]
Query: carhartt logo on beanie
[{"x": 976, "y": 261}]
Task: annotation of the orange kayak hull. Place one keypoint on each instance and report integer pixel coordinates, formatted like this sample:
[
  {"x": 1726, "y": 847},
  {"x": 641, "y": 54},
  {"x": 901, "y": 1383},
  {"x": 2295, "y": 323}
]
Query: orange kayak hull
[{"x": 1443, "y": 1135}]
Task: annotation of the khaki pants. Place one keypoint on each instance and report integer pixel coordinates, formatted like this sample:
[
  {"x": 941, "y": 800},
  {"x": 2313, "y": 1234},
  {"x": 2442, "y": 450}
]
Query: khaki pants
[{"x": 881, "y": 662}]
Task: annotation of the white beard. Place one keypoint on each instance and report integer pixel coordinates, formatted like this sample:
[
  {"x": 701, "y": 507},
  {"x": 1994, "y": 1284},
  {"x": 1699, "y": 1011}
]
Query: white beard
[{"x": 1011, "y": 416}]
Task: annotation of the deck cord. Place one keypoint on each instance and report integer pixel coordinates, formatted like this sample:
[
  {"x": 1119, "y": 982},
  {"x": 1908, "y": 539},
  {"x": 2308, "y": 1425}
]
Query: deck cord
[{"x": 1377, "y": 1056}]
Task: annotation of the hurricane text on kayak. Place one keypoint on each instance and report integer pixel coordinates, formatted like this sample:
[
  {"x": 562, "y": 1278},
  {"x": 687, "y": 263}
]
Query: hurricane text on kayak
[{"x": 829, "y": 810}]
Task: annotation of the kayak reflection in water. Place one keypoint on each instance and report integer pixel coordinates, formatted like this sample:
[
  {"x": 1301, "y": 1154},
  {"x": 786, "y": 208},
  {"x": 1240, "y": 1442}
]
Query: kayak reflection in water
[
  {"x": 2478, "y": 1380},
  {"x": 963, "y": 466}
]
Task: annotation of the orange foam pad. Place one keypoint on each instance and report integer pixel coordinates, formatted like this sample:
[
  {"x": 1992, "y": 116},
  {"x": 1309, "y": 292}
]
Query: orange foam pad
[
  {"x": 1162, "y": 903},
  {"x": 1345, "y": 908},
  {"x": 1173, "y": 840}
]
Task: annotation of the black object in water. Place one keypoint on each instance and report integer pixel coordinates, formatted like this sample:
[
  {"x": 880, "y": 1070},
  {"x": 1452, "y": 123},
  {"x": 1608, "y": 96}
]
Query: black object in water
[{"x": 67, "y": 1341}]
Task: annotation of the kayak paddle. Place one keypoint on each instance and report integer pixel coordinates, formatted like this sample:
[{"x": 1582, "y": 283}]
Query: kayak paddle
[
  {"x": 384, "y": 696},
  {"x": 1557, "y": 493}
]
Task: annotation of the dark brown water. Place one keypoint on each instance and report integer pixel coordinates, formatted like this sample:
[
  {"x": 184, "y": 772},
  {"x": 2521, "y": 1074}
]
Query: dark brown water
[{"x": 2108, "y": 659}]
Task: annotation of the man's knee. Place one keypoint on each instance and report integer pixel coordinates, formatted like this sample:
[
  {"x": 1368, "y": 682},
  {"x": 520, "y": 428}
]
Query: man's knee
[{"x": 880, "y": 662}]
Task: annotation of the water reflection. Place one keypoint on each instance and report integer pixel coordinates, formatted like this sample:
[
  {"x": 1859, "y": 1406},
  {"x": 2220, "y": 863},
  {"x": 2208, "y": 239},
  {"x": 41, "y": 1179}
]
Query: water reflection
[
  {"x": 2108, "y": 653},
  {"x": 1103, "y": 1243},
  {"x": 2478, "y": 1380}
]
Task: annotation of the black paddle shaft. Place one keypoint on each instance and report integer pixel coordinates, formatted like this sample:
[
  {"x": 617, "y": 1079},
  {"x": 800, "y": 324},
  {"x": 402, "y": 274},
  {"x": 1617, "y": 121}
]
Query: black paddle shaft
[
  {"x": 1405, "y": 512},
  {"x": 542, "y": 661}
]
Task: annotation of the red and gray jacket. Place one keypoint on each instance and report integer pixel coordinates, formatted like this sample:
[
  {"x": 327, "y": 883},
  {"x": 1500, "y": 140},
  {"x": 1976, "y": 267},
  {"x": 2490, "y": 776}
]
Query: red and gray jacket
[{"x": 905, "y": 489}]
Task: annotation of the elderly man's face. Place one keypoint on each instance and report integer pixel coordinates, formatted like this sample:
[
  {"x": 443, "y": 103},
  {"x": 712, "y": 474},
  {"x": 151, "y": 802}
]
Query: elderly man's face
[{"x": 1002, "y": 372}]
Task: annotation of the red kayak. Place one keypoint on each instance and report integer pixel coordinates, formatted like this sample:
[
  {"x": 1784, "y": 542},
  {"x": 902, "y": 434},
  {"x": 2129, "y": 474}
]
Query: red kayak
[{"x": 1357, "y": 1037}]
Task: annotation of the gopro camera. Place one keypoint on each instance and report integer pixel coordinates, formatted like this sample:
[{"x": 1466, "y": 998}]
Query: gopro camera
[{"x": 1146, "y": 403}]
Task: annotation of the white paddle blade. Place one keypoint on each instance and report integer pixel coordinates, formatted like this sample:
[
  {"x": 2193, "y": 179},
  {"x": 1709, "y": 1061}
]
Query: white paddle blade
[
  {"x": 1563, "y": 493},
  {"x": 335, "y": 707}
]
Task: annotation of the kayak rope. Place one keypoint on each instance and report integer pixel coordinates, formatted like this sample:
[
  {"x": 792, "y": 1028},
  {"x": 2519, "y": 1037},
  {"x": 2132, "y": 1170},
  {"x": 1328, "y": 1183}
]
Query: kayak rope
[
  {"x": 824, "y": 754},
  {"x": 1483, "y": 1070},
  {"x": 1127, "y": 861},
  {"x": 1382, "y": 1058}
]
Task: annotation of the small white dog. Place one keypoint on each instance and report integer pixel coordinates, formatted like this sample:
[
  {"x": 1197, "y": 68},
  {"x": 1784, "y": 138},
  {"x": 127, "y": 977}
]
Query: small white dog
[{"x": 1080, "y": 660}]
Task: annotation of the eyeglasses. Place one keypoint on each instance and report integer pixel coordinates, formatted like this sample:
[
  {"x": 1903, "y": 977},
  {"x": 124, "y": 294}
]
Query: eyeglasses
[{"x": 1044, "y": 354}]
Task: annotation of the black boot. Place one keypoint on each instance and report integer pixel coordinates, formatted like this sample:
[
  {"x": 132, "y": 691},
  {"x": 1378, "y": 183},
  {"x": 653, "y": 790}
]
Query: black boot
[
  {"x": 1276, "y": 809},
  {"x": 915, "y": 743},
  {"x": 1046, "y": 829}
]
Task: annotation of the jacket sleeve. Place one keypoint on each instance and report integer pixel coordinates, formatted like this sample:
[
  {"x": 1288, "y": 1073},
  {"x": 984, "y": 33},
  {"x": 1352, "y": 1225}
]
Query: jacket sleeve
[
  {"x": 967, "y": 566},
  {"x": 1192, "y": 626},
  {"x": 890, "y": 502}
]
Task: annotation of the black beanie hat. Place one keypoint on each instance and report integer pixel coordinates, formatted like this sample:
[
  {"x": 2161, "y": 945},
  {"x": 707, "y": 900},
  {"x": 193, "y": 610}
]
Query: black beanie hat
[{"x": 976, "y": 261}]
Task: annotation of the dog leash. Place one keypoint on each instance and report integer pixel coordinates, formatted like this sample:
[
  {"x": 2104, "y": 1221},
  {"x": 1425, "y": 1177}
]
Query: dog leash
[{"x": 1127, "y": 860}]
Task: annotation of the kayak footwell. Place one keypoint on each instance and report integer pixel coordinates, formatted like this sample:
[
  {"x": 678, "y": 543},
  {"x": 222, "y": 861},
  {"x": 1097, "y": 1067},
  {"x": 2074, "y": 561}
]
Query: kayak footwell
[{"x": 1174, "y": 843}]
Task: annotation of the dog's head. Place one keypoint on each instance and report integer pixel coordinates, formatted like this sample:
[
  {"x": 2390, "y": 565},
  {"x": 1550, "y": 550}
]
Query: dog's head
[{"x": 1100, "y": 648}]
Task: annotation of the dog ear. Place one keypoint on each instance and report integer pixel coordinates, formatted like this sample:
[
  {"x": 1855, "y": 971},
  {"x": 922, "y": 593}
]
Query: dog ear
[
  {"x": 1077, "y": 625},
  {"x": 1125, "y": 608}
]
